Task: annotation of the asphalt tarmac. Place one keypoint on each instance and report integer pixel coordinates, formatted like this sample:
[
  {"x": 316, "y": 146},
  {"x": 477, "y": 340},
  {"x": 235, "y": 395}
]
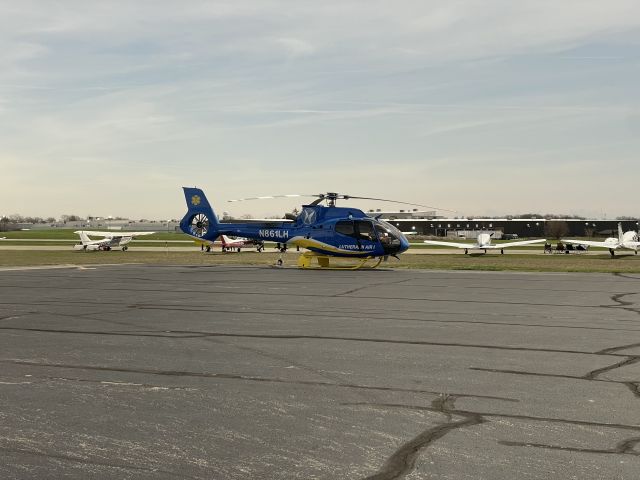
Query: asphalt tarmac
[{"x": 231, "y": 372}]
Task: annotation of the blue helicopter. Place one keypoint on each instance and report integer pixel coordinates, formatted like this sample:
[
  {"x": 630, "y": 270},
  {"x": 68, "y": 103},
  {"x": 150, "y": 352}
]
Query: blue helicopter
[{"x": 324, "y": 231}]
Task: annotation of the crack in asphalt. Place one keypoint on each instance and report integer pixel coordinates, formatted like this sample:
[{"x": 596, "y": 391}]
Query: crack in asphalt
[
  {"x": 617, "y": 349},
  {"x": 251, "y": 378},
  {"x": 617, "y": 298},
  {"x": 625, "y": 447},
  {"x": 625, "y": 275},
  {"x": 403, "y": 460},
  {"x": 632, "y": 386},
  {"x": 271, "y": 293},
  {"x": 629, "y": 361},
  {"x": 623, "y": 304},
  {"x": 317, "y": 314},
  {"x": 511, "y": 416},
  {"x": 189, "y": 334},
  {"x": 208, "y": 308}
]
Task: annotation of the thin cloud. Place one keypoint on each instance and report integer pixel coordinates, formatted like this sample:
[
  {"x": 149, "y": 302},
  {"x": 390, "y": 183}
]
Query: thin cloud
[{"x": 272, "y": 92}]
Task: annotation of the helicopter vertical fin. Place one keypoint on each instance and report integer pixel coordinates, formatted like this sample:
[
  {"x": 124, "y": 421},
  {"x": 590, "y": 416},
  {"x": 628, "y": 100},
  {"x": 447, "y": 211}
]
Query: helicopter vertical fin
[{"x": 200, "y": 220}]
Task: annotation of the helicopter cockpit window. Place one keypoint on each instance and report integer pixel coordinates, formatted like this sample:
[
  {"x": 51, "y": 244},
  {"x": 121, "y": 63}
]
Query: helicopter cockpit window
[
  {"x": 391, "y": 229},
  {"x": 383, "y": 235},
  {"x": 387, "y": 233},
  {"x": 345, "y": 227},
  {"x": 365, "y": 230}
]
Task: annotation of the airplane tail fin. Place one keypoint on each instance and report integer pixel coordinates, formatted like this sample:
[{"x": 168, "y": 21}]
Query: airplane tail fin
[
  {"x": 620, "y": 232},
  {"x": 200, "y": 220},
  {"x": 84, "y": 238}
]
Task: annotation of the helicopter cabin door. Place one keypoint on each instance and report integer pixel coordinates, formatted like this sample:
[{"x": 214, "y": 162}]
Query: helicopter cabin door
[
  {"x": 366, "y": 235},
  {"x": 361, "y": 231}
]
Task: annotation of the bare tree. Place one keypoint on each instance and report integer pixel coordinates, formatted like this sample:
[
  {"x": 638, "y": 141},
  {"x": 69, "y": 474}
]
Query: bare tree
[
  {"x": 70, "y": 218},
  {"x": 556, "y": 229}
]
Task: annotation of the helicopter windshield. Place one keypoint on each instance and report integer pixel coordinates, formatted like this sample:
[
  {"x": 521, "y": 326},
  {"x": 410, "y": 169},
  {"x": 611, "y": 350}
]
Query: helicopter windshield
[
  {"x": 389, "y": 237},
  {"x": 390, "y": 228}
]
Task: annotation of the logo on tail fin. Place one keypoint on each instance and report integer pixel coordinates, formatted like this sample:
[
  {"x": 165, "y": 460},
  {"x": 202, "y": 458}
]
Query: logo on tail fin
[{"x": 195, "y": 200}]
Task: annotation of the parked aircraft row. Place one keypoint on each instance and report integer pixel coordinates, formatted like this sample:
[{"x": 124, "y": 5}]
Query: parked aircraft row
[{"x": 625, "y": 240}]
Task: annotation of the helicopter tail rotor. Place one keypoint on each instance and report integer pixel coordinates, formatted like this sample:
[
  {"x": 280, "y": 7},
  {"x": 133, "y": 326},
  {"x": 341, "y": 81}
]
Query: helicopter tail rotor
[{"x": 200, "y": 220}]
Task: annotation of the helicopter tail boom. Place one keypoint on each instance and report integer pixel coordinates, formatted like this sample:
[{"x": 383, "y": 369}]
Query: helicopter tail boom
[{"x": 200, "y": 220}]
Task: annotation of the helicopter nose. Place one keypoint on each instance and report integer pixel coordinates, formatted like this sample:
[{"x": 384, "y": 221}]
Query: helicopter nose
[{"x": 404, "y": 244}]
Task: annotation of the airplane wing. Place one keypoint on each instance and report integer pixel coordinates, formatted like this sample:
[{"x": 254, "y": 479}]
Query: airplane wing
[
  {"x": 591, "y": 243},
  {"x": 451, "y": 244},
  {"x": 134, "y": 234},
  {"x": 116, "y": 233},
  {"x": 519, "y": 243}
]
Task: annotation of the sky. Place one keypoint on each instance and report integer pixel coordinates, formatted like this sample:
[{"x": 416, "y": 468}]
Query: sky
[{"x": 485, "y": 107}]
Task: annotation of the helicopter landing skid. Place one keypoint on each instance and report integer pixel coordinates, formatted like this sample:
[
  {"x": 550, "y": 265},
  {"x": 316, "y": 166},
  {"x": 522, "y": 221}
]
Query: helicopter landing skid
[{"x": 305, "y": 261}]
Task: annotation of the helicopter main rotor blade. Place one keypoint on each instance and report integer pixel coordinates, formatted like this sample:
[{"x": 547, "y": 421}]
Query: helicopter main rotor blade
[
  {"x": 268, "y": 197},
  {"x": 347, "y": 197},
  {"x": 332, "y": 197}
]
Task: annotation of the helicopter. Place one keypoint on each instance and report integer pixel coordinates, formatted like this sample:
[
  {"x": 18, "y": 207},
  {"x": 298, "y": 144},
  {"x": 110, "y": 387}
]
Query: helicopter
[{"x": 325, "y": 231}]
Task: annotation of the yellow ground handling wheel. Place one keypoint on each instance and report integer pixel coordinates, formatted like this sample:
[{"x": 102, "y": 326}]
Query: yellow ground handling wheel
[{"x": 306, "y": 261}]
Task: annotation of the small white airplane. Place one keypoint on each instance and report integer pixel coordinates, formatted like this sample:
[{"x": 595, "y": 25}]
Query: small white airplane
[
  {"x": 237, "y": 243},
  {"x": 484, "y": 243},
  {"x": 109, "y": 241},
  {"x": 228, "y": 244},
  {"x": 626, "y": 240}
]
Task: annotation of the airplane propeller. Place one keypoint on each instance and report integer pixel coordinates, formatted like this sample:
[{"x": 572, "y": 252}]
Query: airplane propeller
[
  {"x": 199, "y": 225},
  {"x": 332, "y": 197}
]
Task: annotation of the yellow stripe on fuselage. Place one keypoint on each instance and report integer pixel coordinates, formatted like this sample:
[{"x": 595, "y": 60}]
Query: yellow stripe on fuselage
[{"x": 311, "y": 243}]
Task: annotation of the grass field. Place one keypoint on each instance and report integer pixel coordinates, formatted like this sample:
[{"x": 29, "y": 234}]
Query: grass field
[
  {"x": 540, "y": 263},
  {"x": 65, "y": 236}
]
